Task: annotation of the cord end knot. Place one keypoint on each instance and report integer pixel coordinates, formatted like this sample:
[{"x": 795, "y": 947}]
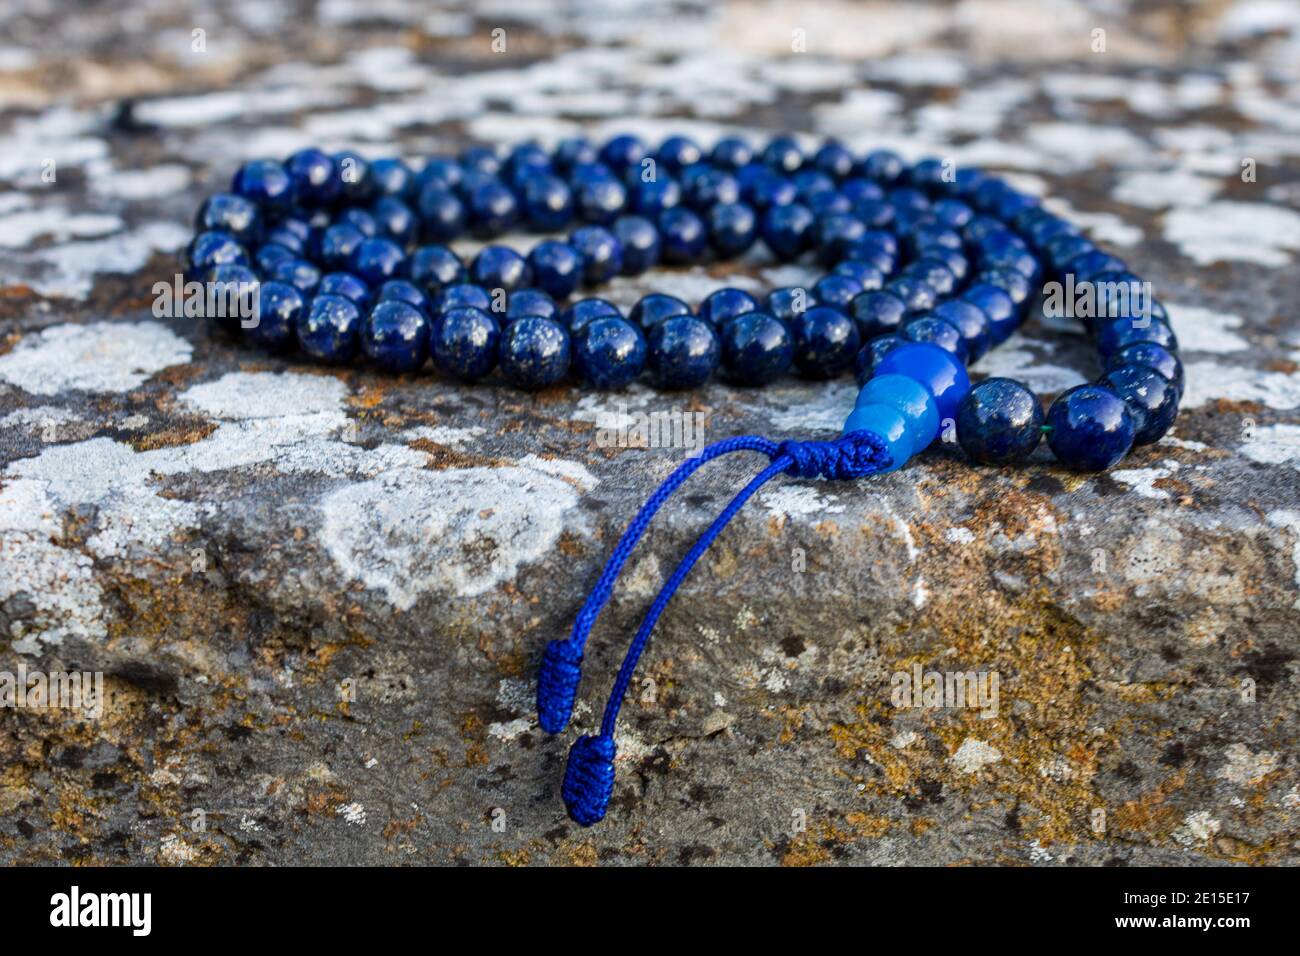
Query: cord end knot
[
  {"x": 850, "y": 456},
  {"x": 589, "y": 779},
  {"x": 557, "y": 685}
]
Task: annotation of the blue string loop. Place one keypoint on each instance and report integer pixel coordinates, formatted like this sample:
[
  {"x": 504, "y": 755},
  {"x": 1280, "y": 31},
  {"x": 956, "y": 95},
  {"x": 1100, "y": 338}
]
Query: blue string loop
[{"x": 589, "y": 775}]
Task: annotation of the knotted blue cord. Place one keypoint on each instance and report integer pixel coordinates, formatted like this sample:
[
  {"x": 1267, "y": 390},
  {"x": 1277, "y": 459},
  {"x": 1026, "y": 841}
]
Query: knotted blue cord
[{"x": 589, "y": 776}]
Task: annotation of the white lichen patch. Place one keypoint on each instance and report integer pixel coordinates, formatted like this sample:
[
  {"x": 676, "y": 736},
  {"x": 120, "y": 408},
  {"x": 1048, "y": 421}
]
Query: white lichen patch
[
  {"x": 1246, "y": 767},
  {"x": 1274, "y": 445},
  {"x": 973, "y": 755},
  {"x": 1201, "y": 827},
  {"x": 1206, "y": 330},
  {"x": 1289, "y": 519},
  {"x": 1235, "y": 232},
  {"x": 821, "y": 412},
  {"x": 22, "y": 227},
  {"x": 1210, "y": 381},
  {"x": 1014, "y": 359},
  {"x": 1142, "y": 480},
  {"x": 68, "y": 270},
  {"x": 798, "y": 501},
  {"x": 1163, "y": 189},
  {"x": 99, "y": 357}
]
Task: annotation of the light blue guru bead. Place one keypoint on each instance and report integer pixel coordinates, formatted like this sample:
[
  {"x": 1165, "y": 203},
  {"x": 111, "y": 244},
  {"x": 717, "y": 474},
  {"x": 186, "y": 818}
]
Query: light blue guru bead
[
  {"x": 938, "y": 370},
  {"x": 888, "y": 424},
  {"x": 910, "y": 397}
]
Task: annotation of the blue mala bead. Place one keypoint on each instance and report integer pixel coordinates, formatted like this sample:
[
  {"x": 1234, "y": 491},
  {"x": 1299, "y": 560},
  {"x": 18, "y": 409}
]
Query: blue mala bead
[
  {"x": 684, "y": 235},
  {"x": 600, "y": 199},
  {"x": 396, "y": 336},
  {"x": 346, "y": 285},
  {"x": 784, "y": 304},
  {"x": 315, "y": 180},
  {"x": 623, "y": 152},
  {"x": 266, "y": 183},
  {"x": 209, "y": 249},
  {"x": 997, "y": 307},
  {"x": 826, "y": 341},
  {"x": 236, "y": 289},
  {"x": 268, "y": 255},
  {"x": 483, "y": 159},
  {"x": 464, "y": 343},
  {"x": 1090, "y": 428},
  {"x": 934, "y": 273},
  {"x": 938, "y": 370},
  {"x": 500, "y": 267},
  {"x": 441, "y": 212},
  {"x": 684, "y": 351},
  {"x": 279, "y": 305},
  {"x": 834, "y": 159},
  {"x": 355, "y": 184},
  {"x": 788, "y": 230},
  {"x": 864, "y": 363},
  {"x": 433, "y": 268},
  {"x": 834, "y": 234},
  {"x": 836, "y": 290},
  {"x": 813, "y": 182},
  {"x": 1120, "y": 333},
  {"x": 877, "y": 312},
  {"x": 731, "y": 152},
  {"x": 875, "y": 213},
  {"x": 377, "y": 260},
  {"x": 576, "y": 316},
  {"x": 392, "y": 177},
  {"x": 656, "y": 307},
  {"x": 724, "y": 304},
  {"x": 329, "y": 329},
  {"x": 548, "y": 202},
  {"x": 756, "y": 348},
  {"x": 443, "y": 170},
  {"x": 400, "y": 290},
  {"x": 609, "y": 352},
  {"x": 531, "y": 302},
  {"x": 557, "y": 267},
  {"x": 534, "y": 353},
  {"x": 970, "y": 321},
  {"x": 915, "y": 294},
  {"x": 910, "y": 397},
  {"x": 640, "y": 243},
  {"x": 999, "y": 421},
  {"x": 884, "y": 166},
  {"x": 1014, "y": 284},
  {"x": 601, "y": 252},
  {"x": 299, "y": 273},
  {"x": 1151, "y": 398},
  {"x": 768, "y": 188},
  {"x": 1153, "y": 356},
  {"x": 651, "y": 197},
  {"x": 575, "y": 151},
  {"x": 930, "y": 328},
  {"x": 678, "y": 152},
  {"x": 857, "y": 188},
  {"x": 228, "y": 212},
  {"x": 395, "y": 220},
  {"x": 707, "y": 188},
  {"x": 287, "y": 238},
  {"x": 733, "y": 227},
  {"x": 493, "y": 209},
  {"x": 865, "y": 274},
  {"x": 783, "y": 153},
  {"x": 461, "y": 295},
  {"x": 336, "y": 244}
]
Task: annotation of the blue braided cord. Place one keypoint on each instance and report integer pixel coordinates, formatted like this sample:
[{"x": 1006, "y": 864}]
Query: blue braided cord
[{"x": 561, "y": 667}]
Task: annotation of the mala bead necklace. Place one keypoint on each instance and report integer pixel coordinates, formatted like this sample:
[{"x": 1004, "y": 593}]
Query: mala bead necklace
[{"x": 925, "y": 272}]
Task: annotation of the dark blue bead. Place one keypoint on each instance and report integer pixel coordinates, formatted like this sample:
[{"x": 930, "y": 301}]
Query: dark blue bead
[
  {"x": 574, "y": 151},
  {"x": 930, "y": 174},
  {"x": 396, "y": 336},
  {"x": 464, "y": 343},
  {"x": 856, "y": 188},
  {"x": 609, "y": 352},
  {"x": 709, "y": 187},
  {"x": 756, "y": 348},
  {"x": 534, "y": 353},
  {"x": 500, "y": 267},
  {"x": 548, "y": 202},
  {"x": 934, "y": 274},
  {"x": 733, "y": 227},
  {"x": 1120, "y": 333},
  {"x": 526, "y": 159},
  {"x": 826, "y": 341},
  {"x": 1063, "y": 249},
  {"x": 865, "y": 274},
  {"x": 531, "y": 302},
  {"x": 922, "y": 239},
  {"x": 287, "y": 238},
  {"x": 315, "y": 181},
  {"x": 916, "y": 295},
  {"x": 481, "y": 159},
  {"x": 361, "y": 220},
  {"x": 433, "y": 268},
  {"x": 640, "y": 242},
  {"x": 875, "y": 213},
  {"x": 999, "y": 421},
  {"x": 784, "y": 304},
  {"x": 557, "y": 267},
  {"x": 834, "y": 234},
  {"x": 299, "y": 273},
  {"x": 576, "y": 317},
  {"x": 493, "y": 209},
  {"x": 268, "y": 255},
  {"x": 1016, "y": 259},
  {"x": 731, "y": 153},
  {"x": 235, "y": 292},
  {"x": 724, "y": 304},
  {"x": 971, "y": 322},
  {"x": 265, "y": 182},
  {"x": 1090, "y": 428},
  {"x": 877, "y": 313},
  {"x": 906, "y": 198},
  {"x": 930, "y": 328},
  {"x": 788, "y": 230},
  {"x": 968, "y": 180},
  {"x": 209, "y": 249},
  {"x": 1017, "y": 287},
  {"x": 439, "y": 169},
  {"x": 954, "y": 261},
  {"x": 1090, "y": 264},
  {"x": 1151, "y": 398},
  {"x": 836, "y": 290},
  {"x": 834, "y": 159},
  {"x": 883, "y": 166},
  {"x": 328, "y": 330},
  {"x": 783, "y": 153},
  {"x": 399, "y": 290},
  {"x": 442, "y": 214},
  {"x": 355, "y": 184},
  {"x": 953, "y": 213},
  {"x": 980, "y": 228},
  {"x": 997, "y": 307},
  {"x": 336, "y": 244},
  {"x": 377, "y": 260},
  {"x": 346, "y": 285},
  {"x": 600, "y": 199},
  {"x": 873, "y": 253},
  {"x": 684, "y": 351},
  {"x": 864, "y": 363},
  {"x": 601, "y": 252},
  {"x": 1152, "y": 355},
  {"x": 279, "y": 305},
  {"x": 829, "y": 203},
  {"x": 678, "y": 152},
  {"x": 768, "y": 188},
  {"x": 392, "y": 177},
  {"x": 623, "y": 152},
  {"x": 656, "y": 307},
  {"x": 461, "y": 295},
  {"x": 654, "y": 196},
  {"x": 810, "y": 183},
  {"x": 684, "y": 236},
  {"x": 227, "y": 212}
]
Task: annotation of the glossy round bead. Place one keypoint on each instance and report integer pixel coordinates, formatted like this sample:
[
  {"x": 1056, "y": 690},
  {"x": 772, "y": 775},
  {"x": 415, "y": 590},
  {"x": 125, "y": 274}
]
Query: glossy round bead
[
  {"x": 531, "y": 302},
  {"x": 442, "y": 214},
  {"x": 889, "y": 425},
  {"x": 733, "y": 227},
  {"x": 1018, "y": 288},
  {"x": 600, "y": 199},
  {"x": 483, "y": 159},
  {"x": 999, "y": 421},
  {"x": 576, "y": 316},
  {"x": 395, "y": 220},
  {"x": 622, "y": 152},
  {"x": 281, "y": 236},
  {"x": 1151, "y": 398},
  {"x": 939, "y": 371},
  {"x": 784, "y": 304},
  {"x": 336, "y": 244},
  {"x": 376, "y": 260},
  {"x": 209, "y": 249},
  {"x": 609, "y": 352},
  {"x": 548, "y": 202},
  {"x": 346, "y": 285},
  {"x": 708, "y": 188},
  {"x": 834, "y": 234},
  {"x": 869, "y": 356},
  {"x": 970, "y": 321},
  {"x": 916, "y": 295},
  {"x": 575, "y": 151},
  {"x": 930, "y": 328},
  {"x": 461, "y": 295},
  {"x": 909, "y": 397},
  {"x": 315, "y": 181},
  {"x": 651, "y": 197},
  {"x": 399, "y": 290},
  {"x": 1120, "y": 333},
  {"x": 500, "y": 267},
  {"x": 934, "y": 273},
  {"x": 396, "y": 336},
  {"x": 724, "y": 304},
  {"x": 678, "y": 152},
  {"x": 826, "y": 341},
  {"x": 235, "y": 291},
  {"x": 534, "y": 353},
  {"x": 392, "y": 177},
  {"x": 265, "y": 182},
  {"x": 731, "y": 153},
  {"x": 788, "y": 230},
  {"x": 1090, "y": 428},
  {"x": 228, "y": 212},
  {"x": 883, "y": 166},
  {"x": 783, "y": 153},
  {"x": 756, "y": 348},
  {"x": 1152, "y": 355},
  {"x": 443, "y": 170},
  {"x": 767, "y": 190},
  {"x": 1093, "y": 263},
  {"x": 492, "y": 209},
  {"x": 557, "y": 267},
  {"x": 836, "y": 290},
  {"x": 656, "y": 307},
  {"x": 877, "y": 313},
  {"x": 299, "y": 273},
  {"x": 464, "y": 343},
  {"x": 433, "y": 268},
  {"x": 684, "y": 351},
  {"x": 639, "y": 240},
  {"x": 329, "y": 329},
  {"x": 865, "y": 274},
  {"x": 268, "y": 255},
  {"x": 997, "y": 308},
  {"x": 279, "y": 306},
  {"x": 602, "y": 254},
  {"x": 684, "y": 236}
]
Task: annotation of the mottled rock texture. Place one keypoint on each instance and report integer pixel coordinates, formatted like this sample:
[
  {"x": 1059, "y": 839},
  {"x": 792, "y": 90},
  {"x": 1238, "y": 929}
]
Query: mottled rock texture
[{"x": 319, "y": 595}]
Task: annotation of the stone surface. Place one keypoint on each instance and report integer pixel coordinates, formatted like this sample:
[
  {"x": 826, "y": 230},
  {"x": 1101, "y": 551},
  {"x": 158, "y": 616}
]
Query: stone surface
[{"x": 319, "y": 595}]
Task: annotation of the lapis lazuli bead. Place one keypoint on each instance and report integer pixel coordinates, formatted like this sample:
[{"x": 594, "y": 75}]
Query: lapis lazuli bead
[
  {"x": 997, "y": 307},
  {"x": 970, "y": 321},
  {"x": 1152, "y": 355},
  {"x": 265, "y": 182},
  {"x": 576, "y": 316},
  {"x": 877, "y": 313},
  {"x": 640, "y": 243},
  {"x": 730, "y": 152},
  {"x": 461, "y": 295},
  {"x": 912, "y": 399},
  {"x": 336, "y": 244},
  {"x": 299, "y": 273},
  {"x": 376, "y": 260},
  {"x": 930, "y": 328},
  {"x": 622, "y": 152},
  {"x": 865, "y": 274},
  {"x": 733, "y": 227},
  {"x": 548, "y": 202},
  {"x": 329, "y": 329},
  {"x": 442, "y": 214},
  {"x": 756, "y": 348},
  {"x": 836, "y": 290},
  {"x": 1090, "y": 428},
  {"x": 400, "y": 290},
  {"x": 938, "y": 370},
  {"x": 534, "y": 353},
  {"x": 492, "y": 209},
  {"x": 269, "y": 254},
  {"x": 390, "y": 176},
  {"x": 395, "y": 220},
  {"x": 236, "y": 292},
  {"x": 788, "y": 230},
  {"x": 315, "y": 180},
  {"x": 783, "y": 153},
  {"x": 600, "y": 199},
  {"x": 346, "y": 285},
  {"x": 934, "y": 273},
  {"x": 1120, "y": 333},
  {"x": 656, "y": 307},
  {"x": 609, "y": 352},
  {"x": 433, "y": 268},
  {"x": 915, "y": 294},
  {"x": 500, "y": 267},
  {"x": 826, "y": 341},
  {"x": 209, "y": 249},
  {"x": 601, "y": 252},
  {"x": 784, "y": 304},
  {"x": 684, "y": 236},
  {"x": 1151, "y": 398},
  {"x": 464, "y": 343},
  {"x": 684, "y": 351},
  {"x": 708, "y": 188},
  {"x": 999, "y": 421},
  {"x": 530, "y": 302},
  {"x": 889, "y": 425},
  {"x": 557, "y": 267},
  {"x": 651, "y": 197},
  {"x": 396, "y": 336},
  {"x": 228, "y": 212},
  {"x": 723, "y": 304},
  {"x": 883, "y": 166},
  {"x": 864, "y": 363},
  {"x": 279, "y": 305}
]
